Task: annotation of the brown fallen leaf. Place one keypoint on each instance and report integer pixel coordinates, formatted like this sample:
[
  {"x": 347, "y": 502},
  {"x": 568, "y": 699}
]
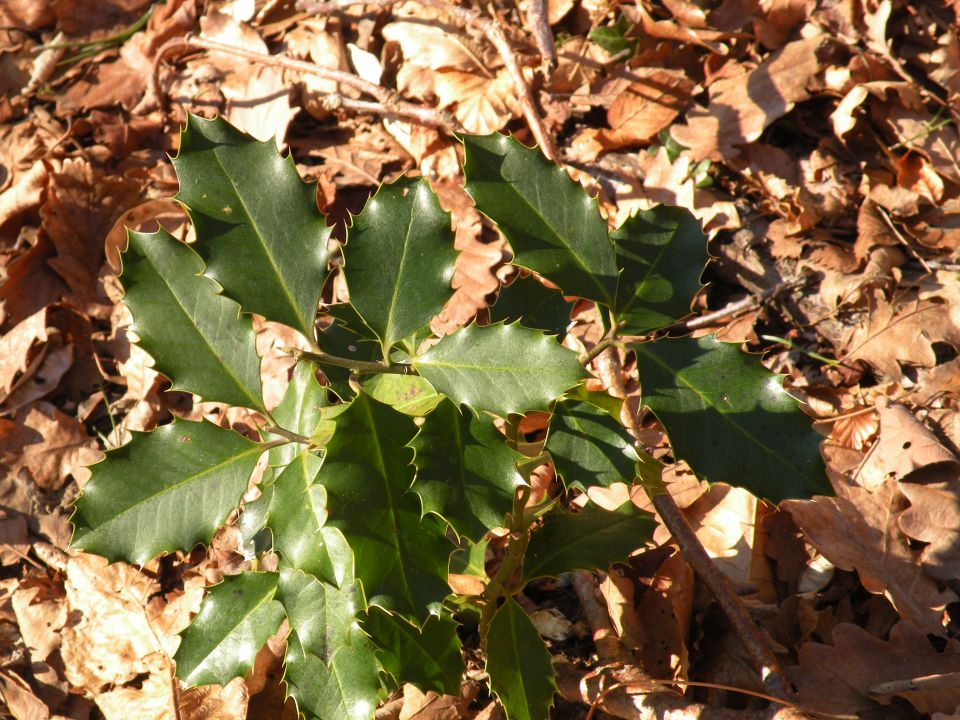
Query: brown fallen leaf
[
  {"x": 858, "y": 530},
  {"x": 19, "y": 698},
  {"x": 934, "y": 518},
  {"x": 741, "y": 107},
  {"x": 16, "y": 346},
  {"x": 838, "y": 678},
  {"x": 30, "y": 284},
  {"x": 48, "y": 445},
  {"x": 652, "y": 101}
]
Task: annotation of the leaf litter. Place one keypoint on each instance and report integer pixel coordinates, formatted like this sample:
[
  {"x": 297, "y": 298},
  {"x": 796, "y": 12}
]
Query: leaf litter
[{"x": 817, "y": 144}]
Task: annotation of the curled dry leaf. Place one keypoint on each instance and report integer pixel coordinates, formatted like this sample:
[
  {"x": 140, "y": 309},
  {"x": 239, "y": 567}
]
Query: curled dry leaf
[
  {"x": 741, "y": 107},
  {"x": 838, "y": 678},
  {"x": 849, "y": 528},
  {"x": 652, "y": 101}
]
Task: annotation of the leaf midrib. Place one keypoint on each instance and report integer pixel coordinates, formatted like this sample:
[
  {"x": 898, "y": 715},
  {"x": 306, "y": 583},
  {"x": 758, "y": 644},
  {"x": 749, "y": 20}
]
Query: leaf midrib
[
  {"x": 170, "y": 488},
  {"x": 388, "y": 338},
  {"x": 291, "y": 301},
  {"x": 729, "y": 418},
  {"x": 255, "y": 405}
]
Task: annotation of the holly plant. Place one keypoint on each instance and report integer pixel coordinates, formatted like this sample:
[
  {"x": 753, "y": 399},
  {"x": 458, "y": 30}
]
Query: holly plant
[{"x": 391, "y": 470}]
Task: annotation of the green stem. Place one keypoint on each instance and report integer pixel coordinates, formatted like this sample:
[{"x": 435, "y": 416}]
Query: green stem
[
  {"x": 357, "y": 366},
  {"x": 117, "y": 39},
  {"x": 500, "y": 586},
  {"x": 288, "y": 434}
]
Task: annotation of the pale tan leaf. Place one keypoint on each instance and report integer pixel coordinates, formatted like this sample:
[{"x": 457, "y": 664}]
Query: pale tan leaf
[
  {"x": 482, "y": 105},
  {"x": 647, "y": 106}
]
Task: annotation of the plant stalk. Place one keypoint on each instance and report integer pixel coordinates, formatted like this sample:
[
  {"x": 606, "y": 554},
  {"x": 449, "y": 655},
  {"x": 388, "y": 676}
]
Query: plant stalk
[{"x": 359, "y": 367}]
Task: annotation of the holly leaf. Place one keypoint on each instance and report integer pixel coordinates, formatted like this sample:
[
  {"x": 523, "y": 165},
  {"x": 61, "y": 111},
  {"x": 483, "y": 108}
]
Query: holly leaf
[
  {"x": 300, "y": 410},
  {"x": 400, "y": 558},
  {"x": 166, "y": 490},
  {"x": 258, "y": 227},
  {"x": 322, "y": 616},
  {"x": 195, "y": 336},
  {"x": 466, "y": 472},
  {"x": 341, "y": 339},
  {"x": 500, "y": 369},
  {"x": 533, "y": 305},
  {"x": 297, "y": 516},
  {"x": 235, "y": 620},
  {"x": 661, "y": 252},
  {"x": 521, "y": 674},
  {"x": 552, "y": 225},
  {"x": 428, "y": 657},
  {"x": 410, "y": 394},
  {"x": 593, "y": 538},
  {"x": 347, "y": 687},
  {"x": 399, "y": 260},
  {"x": 588, "y": 446},
  {"x": 730, "y": 418}
]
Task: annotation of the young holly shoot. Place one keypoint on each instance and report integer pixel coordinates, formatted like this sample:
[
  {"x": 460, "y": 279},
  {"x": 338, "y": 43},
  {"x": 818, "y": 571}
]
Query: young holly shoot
[{"x": 389, "y": 476}]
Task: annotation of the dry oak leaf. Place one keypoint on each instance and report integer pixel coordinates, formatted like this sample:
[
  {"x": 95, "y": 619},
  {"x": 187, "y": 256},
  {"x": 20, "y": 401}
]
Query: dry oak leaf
[
  {"x": 904, "y": 449},
  {"x": 29, "y": 283},
  {"x": 46, "y": 444},
  {"x": 897, "y": 336},
  {"x": 741, "y": 107},
  {"x": 16, "y": 346},
  {"x": 857, "y": 530},
  {"x": 25, "y": 192},
  {"x": 652, "y": 101},
  {"x": 934, "y": 517},
  {"x": 16, "y": 693},
  {"x": 838, "y": 678},
  {"x": 482, "y": 105},
  {"x": 81, "y": 207}
]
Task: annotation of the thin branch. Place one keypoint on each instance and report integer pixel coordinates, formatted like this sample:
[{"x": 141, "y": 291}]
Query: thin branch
[
  {"x": 493, "y": 31},
  {"x": 605, "y": 639},
  {"x": 696, "y": 556},
  {"x": 754, "y": 640},
  {"x": 608, "y": 340},
  {"x": 357, "y": 366},
  {"x": 388, "y": 101},
  {"x": 542, "y": 34},
  {"x": 288, "y": 434},
  {"x": 739, "y": 307}
]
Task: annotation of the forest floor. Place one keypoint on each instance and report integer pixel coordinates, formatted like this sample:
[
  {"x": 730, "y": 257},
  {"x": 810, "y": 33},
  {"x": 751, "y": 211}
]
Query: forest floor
[{"x": 816, "y": 141}]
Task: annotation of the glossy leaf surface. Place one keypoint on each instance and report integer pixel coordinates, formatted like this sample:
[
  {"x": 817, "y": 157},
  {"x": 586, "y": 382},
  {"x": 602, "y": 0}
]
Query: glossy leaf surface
[
  {"x": 518, "y": 664},
  {"x": 258, "y": 226},
  {"x": 235, "y": 620},
  {"x": 466, "y": 472},
  {"x": 400, "y": 559},
  {"x": 532, "y": 304},
  {"x": 590, "y": 539},
  {"x": 300, "y": 411},
  {"x": 661, "y": 252},
  {"x": 164, "y": 490},
  {"x": 551, "y": 223},
  {"x": 195, "y": 335},
  {"x": 730, "y": 418},
  {"x": 298, "y": 512},
  {"x": 322, "y": 616},
  {"x": 429, "y": 657},
  {"x": 399, "y": 260},
  {"x": 347, "y": 688},
  {"x": 588, "y": 446},
  {"x": 500, "y": 369}
]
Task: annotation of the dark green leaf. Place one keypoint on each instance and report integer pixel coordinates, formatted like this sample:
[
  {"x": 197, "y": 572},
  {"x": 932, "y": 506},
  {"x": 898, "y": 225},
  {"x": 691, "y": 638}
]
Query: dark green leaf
[
  {"x": 429, "y": 657},
  {"x": 661, "y": 252},
  {"x": 165, "y": 490},
  {"x": 322, "y": 616},
  {"x": 298, "y": 511},
  {"x": 258, "y": 227},
  {"x": 347, "y": 688},
  {"x": 534, "y": 305},
  {"x": 400, "y": 559},
  {"x": 399, "y": 260},
  {"x": 592, "y": 538},
  {"x": 730, "y": 418},
  {"x": 613, "y": 38},
  {"x": 235, "y": 620},
  {"x": 551, "y": 223},
  {"x": 466, "y": 472},
  {"x": 588, "y": 446},
  {"x": 196, "y": 336},
  {"x": 499, "y": 368},
  {"x": 518, "y": 664}
]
